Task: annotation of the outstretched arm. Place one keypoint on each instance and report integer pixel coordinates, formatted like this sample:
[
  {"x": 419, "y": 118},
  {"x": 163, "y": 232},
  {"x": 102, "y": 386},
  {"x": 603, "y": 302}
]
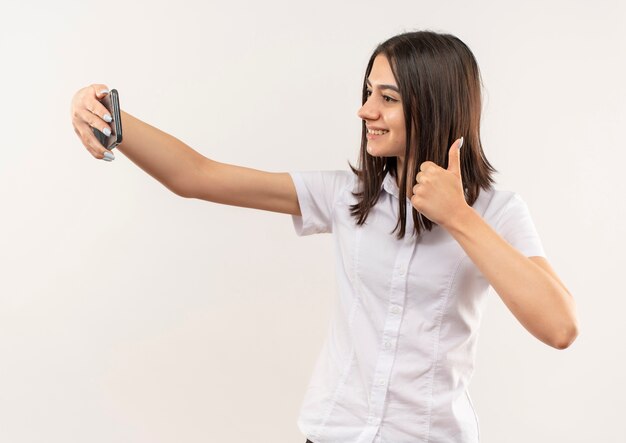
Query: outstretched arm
[{"x": 177, "y": 166}]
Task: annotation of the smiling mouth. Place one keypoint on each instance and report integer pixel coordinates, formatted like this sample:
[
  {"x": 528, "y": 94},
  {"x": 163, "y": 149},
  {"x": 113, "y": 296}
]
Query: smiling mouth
[
  {"x": 374, "y": 136},
  {"x": 377, "y": 131}
]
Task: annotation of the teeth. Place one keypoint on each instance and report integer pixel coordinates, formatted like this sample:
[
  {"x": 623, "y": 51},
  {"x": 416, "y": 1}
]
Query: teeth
[{"x": 377, "y": 132}]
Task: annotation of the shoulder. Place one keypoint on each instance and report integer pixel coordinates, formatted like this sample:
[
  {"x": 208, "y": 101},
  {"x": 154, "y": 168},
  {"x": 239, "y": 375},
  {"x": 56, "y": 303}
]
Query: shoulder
[
  {"x": 331, "y": 183},
  {"x": 495, "y": 202},
  {"x": 336, "y": 177}
]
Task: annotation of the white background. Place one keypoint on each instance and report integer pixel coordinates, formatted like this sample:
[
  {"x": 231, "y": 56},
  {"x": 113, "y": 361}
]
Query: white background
[{"x": 130, "y": 314}]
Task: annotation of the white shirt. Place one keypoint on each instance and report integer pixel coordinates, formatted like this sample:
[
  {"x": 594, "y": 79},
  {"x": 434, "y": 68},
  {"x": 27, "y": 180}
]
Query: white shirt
[{"x": 399, "y": 353}]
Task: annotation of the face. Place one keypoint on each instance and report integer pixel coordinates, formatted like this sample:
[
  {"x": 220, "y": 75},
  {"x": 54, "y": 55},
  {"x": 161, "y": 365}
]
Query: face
[{"x": 383, "y": 110}]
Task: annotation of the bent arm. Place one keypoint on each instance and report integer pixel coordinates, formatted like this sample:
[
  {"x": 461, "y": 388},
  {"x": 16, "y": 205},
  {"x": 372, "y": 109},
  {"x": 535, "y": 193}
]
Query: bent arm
[
  {"x": 189, "y": 174},
  {"x": 527, "y": 285}
]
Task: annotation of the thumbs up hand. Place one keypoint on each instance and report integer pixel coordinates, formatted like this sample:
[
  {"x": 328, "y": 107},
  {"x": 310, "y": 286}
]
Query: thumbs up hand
[{"x": 438, "y": 194}]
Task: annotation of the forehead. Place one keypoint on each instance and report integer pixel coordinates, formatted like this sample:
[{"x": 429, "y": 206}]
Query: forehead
[{"x": 381, "y": 71}]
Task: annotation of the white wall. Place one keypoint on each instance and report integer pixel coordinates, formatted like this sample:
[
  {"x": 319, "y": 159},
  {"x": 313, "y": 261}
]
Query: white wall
[{"x": 118, "y": 299}]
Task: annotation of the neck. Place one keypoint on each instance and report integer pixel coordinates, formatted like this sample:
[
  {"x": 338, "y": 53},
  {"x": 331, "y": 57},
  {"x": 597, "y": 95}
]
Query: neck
[{"x": 410, "y": 183}]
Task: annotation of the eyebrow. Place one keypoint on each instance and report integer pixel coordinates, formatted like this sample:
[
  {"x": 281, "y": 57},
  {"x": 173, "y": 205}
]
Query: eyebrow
[{"x": 392, "y": 87}]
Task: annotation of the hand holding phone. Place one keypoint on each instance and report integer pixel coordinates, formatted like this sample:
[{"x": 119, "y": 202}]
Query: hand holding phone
[{"x": 111, "y": 101}]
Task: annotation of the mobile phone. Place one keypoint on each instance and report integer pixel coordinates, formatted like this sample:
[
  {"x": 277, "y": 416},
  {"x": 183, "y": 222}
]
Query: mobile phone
[{"x": 111, "y": 101}]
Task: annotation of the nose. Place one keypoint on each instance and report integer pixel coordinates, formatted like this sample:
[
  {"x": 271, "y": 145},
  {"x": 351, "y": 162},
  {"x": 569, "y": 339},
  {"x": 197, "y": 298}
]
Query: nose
[{"x": 367, "y": 111}]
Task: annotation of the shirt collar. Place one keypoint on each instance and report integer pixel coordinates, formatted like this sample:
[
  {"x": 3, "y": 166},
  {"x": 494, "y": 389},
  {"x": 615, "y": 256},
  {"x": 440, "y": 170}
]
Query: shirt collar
[{"x": 390, "y": 185}]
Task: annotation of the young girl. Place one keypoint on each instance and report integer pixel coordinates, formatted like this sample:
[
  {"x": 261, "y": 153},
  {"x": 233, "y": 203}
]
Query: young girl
[{"x": 399, "y": 354}]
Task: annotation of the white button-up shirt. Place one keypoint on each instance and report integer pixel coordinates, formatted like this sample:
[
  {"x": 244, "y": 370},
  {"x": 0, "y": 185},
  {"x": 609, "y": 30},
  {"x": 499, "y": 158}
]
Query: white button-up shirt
[{"x": 399, "y": 354}]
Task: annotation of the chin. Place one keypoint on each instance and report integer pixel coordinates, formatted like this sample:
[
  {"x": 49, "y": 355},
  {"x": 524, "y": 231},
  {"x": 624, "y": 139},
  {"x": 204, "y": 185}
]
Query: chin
[{"x": 374, "y": 152}]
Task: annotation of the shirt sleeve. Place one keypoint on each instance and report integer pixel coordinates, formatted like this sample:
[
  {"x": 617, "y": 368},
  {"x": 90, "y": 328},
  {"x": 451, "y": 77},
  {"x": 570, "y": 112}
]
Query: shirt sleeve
[
  {"x": 317, "y": 192},
  {"x": 517, "y": 227}
]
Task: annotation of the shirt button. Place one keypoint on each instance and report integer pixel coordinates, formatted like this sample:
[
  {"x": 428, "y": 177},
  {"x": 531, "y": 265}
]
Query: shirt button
[
  {"x": 380, "y": 382},
  {"x": 395, "y": 309},
  {"x": 387, "y": 345},
  {"x": 402, "y": 270}
]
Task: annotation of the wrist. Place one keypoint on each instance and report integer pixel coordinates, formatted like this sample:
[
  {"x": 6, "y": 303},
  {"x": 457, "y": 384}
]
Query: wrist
[{"x": 459, "y": 218}]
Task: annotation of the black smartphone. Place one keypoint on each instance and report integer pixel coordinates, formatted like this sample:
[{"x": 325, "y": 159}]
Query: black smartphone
[{"x": 111, "y": 101}]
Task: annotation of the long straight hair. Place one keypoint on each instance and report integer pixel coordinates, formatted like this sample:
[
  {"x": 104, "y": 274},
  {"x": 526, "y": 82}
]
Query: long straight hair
[{"x": 440, "y": 86}]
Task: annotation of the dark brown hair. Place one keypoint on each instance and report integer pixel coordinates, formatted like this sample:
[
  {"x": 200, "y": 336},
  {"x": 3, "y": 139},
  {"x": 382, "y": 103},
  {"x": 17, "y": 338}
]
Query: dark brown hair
[{"x": 440, "y": 86}]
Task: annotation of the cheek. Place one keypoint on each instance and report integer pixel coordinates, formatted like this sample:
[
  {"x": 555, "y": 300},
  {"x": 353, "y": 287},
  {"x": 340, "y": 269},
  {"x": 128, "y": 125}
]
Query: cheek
[
  {"x": 397, "y": 120},
  {"x": 399, "y": 135}
]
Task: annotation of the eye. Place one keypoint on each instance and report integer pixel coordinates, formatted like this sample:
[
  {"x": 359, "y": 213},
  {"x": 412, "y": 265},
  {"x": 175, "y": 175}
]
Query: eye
[{"x": 386, "y": 97}]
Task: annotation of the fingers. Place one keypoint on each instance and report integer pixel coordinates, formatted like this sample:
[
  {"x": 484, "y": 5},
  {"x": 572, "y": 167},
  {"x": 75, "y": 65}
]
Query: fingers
[
  {"x": 100, "y": 90},
  {"x": 90, "y": 121},
  {"x": 89, "y": 140},
  {"x": 89, "y": 113},
  {"x": 96, "y": 107}
]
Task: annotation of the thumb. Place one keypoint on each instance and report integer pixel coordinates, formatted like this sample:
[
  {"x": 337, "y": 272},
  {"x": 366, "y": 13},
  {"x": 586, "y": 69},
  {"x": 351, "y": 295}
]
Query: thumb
[
  {"x": 454, "y": 157},
  {"x": 100, "y": 90}
]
